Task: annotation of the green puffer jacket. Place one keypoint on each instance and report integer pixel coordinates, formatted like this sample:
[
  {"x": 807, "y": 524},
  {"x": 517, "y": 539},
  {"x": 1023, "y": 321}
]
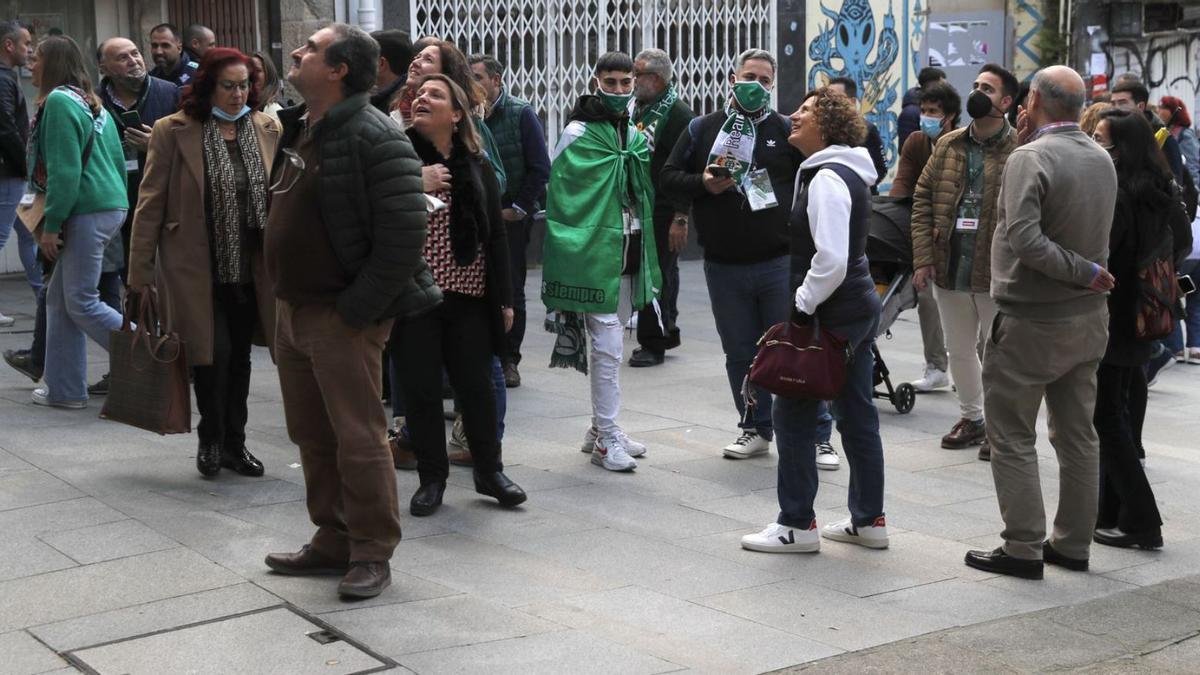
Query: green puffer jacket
[
  {"x": 937, "y": 195},
  {"x": 374, "y": 208}
]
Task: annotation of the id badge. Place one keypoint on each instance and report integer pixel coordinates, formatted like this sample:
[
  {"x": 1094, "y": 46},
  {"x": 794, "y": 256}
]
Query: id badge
[
  {"x": 759, "y": 191},
  {"x": 966, "y": 224},
  {"x": 27, "y": 198},
  {"x": 131, "y": 166}
]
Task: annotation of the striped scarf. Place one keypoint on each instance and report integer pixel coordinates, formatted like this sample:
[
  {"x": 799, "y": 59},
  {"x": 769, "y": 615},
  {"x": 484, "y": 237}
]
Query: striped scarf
[{"x": 225, "y": 213}]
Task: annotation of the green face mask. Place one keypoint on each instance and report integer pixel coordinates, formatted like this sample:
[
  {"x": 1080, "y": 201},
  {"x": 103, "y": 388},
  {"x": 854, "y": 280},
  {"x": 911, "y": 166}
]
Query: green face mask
[
  {"x": 751, "y": 96},
  {"x": 617, "y": 103}
]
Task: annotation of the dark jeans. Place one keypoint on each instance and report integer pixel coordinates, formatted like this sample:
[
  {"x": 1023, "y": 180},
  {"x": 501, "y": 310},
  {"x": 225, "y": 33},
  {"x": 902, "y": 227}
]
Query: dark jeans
[
  {"x": 1126, "y": 499},
  {"x": 1139, "y": 398},
  {"x": 223, "y": 387},
  {"x": 796, "y": 424},
  {"x": 518, "y": 243},
  {"x": 457, "y": 335},
  {"x": 650, "y": 335},
  {"x": 746, "y": 301},
  {"x": 396, "y": 382}
]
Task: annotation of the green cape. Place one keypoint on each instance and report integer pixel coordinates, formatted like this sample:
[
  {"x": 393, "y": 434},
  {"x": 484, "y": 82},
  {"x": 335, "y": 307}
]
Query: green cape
[{"x": 583, "y": 252}]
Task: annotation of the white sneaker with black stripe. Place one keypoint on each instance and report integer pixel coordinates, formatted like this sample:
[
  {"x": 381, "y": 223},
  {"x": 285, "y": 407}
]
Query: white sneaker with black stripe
[
  {"x": 748, "y": 445},
  {"x": 776, "y": 538},
  {"x": 874, "y": 535},
  {"x": 827, "y": 457}
]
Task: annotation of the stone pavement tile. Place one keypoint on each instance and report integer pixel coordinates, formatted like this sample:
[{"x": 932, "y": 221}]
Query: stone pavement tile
[
  {"x": 105, "y": 586},
  {"x": 648, "y": 480},
  {"x": 234, "y": 492},
  {"x": 488, "y": 521},
  {"x": 1170, "y": 562},
  {"x": 931, "y": 490},
  {"x": 920, "y": 455},
  {"x": 1184, "y": 592},
  {"x": 648, "y": 515},
  {"x": 736, "y": 475},
  {"x": 22, "y": 655},
  {"x": 694, "y": 441},
  {"x": 531, "y": 479},
  {"x": 824, "y": 615},
  {"x": 27, "y": 556},
  {"x": 10, "y": 463},
  {"x": 653, "y": 563},
  {"x": 425, "y": 625},
  {"x": 682, "y": 632},
  {"x": 153, "y": 616},
  {"x": 1177, "y": 658},
  {"x": 64, "y": 515},
  {"x": 291, "y": 519},
  {"x": 1043, "y": 644},
  {"x": 1139, "y": 621},
  {"x": 1061, "y": 586},
  {"x": 936, "y": 521},
  {"x": 927, "y": 655},
  {"x": 497, "y": 573},
  {"x": 549, "y": 653},
  {"x": 964, "y": 602},
  {"x": 107, "y": 542},
  {"x": 20, "y": 489}
]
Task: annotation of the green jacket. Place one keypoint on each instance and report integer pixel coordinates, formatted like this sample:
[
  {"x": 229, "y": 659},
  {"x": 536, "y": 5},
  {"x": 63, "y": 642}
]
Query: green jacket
[
  {"x": 64, "y": 126},
  {"x": 493, "y": 152}
]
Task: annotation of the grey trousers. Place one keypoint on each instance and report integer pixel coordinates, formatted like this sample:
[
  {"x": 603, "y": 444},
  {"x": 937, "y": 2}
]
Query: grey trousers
[
  {"x": 931, "y": 330},
  {"x": 1025, "y": 362}
]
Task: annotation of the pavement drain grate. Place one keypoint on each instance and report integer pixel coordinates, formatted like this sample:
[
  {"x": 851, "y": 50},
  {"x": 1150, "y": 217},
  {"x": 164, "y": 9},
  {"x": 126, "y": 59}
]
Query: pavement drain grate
[{"x": 280, "y": 639}]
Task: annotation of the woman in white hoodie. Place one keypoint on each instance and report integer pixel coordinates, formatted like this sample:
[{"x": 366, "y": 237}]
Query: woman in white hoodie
[{"x": 832, "y": 281}]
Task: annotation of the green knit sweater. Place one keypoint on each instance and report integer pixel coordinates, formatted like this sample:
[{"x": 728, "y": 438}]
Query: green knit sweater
[{"x": 71, "y": 189}]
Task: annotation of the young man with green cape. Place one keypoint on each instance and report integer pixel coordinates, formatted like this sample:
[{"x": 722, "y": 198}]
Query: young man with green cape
[{"x": 599, "y": 262}]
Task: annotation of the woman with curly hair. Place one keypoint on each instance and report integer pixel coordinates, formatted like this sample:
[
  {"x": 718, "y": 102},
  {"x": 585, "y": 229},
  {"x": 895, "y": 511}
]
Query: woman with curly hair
[
  {"x": 832, "y": 282},
  {"x": 199, "y": 222}
]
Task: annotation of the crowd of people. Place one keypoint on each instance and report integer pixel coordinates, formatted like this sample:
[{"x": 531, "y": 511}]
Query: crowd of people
[{"x": 374, "y": 239}]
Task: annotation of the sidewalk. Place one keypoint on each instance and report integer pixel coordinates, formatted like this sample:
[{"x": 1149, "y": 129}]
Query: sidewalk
[{"x": 111, "y": 534}]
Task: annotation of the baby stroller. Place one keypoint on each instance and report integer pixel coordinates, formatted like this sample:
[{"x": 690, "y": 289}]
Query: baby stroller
[{"x": 889, "y": 252}]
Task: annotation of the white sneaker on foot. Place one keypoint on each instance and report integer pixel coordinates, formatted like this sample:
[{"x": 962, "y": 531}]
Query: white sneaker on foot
[
  {"x": 778, "y": 538},
  {"x": 872, "y": 536},
  {"x": 634, "y": 448},
  {"x": 458, "y": 434},
  {"x": 749, "y": 444},
  {"x": 827, "y": 457},
  {"x": 41, "y": 396},
  {"x": 610, "y": 453},
  {"x": 931, "y": 380},
  {"x": 6, "y": 321}
]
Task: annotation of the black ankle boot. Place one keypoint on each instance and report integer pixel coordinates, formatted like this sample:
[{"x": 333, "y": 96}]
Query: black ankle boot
[
  {"x": 427, "y": 499},
  {"x": 208, "y": 459},
  {"x": 496, "y": 484},
  {"x": 241, "y": 461}
]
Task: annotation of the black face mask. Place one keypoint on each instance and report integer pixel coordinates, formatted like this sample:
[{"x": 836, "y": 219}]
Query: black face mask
[{"x": 979, "y": 105}]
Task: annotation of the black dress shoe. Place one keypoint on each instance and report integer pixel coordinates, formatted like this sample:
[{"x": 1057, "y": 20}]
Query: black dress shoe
[
  {"x": 366, "y": 579},
  {"x": 100, "y": 388},
  {"x": 496, "y": 484},
  {"x": 1120, "y": 539},
  {"x": 208, "y": 459},
  {"x": 427, "y": 499},
  {"x": 644, "y": 358},
  {"x": 1000, "y": 562},
  {"x": 1052, "y": 557},
  {"x": 306, "y": 562},
  {"x": 22, "y": 361},
  {"x": 241, "y": 461}
]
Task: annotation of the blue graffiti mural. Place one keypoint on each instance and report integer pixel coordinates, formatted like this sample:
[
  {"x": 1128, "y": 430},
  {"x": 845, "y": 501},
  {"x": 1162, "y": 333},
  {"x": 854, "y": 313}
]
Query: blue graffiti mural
[{"x": 850, "y": 39}]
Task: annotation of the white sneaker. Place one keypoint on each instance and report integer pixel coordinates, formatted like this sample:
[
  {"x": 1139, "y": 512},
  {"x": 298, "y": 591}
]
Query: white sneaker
[
  {"x": 41, "y": 396},
  {"x": 873, "y": 536},
  {"x": 827, "y": 457},
  {"x": 778, "y": 538},
  {"x": 458, "y": 434},
  {"x": 749, "y": 444},
  {"x": 932, "y": 379},
  {"x": 610, "y": 453},
  {"x": 634, "y": 448},
  {"x": 6, "y": 321}
]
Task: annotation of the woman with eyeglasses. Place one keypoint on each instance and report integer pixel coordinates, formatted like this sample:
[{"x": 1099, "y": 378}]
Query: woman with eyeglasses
[
  {"x": 197, "y": 238},
  {"x": 1146, "y": 200}
]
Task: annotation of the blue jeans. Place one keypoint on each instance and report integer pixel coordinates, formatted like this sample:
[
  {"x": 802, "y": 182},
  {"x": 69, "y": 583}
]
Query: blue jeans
[
  {"x": 11, "y": 190},
  {"x": 824, "y": 422},
  {"x": 1191, "y": 314},
  {"x": 73, "y": 308},
  {"x": 858, "y": 425},
  {"x": 746, "y": 301}
]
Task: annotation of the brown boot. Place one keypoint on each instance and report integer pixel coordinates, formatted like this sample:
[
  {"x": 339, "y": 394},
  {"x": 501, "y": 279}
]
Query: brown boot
[
  {"x": 985, "y": 451},
  {"x": 964, "y": 434},
  {"x": 366, "y": 579}
]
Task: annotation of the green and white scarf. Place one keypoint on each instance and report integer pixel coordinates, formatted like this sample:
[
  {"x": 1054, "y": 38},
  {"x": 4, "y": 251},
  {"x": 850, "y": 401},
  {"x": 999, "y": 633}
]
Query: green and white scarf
[
  {"x": 734, "y": 147},
  {"x": 649, "y": 117}
]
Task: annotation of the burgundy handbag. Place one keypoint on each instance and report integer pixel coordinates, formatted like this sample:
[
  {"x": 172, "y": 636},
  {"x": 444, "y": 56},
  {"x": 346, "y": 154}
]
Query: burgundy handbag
[{"x": 801, "y": 362}]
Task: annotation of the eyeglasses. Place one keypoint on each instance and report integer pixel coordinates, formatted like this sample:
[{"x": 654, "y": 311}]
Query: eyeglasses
[
  {"x": 294, "y": 161},
  {"x": 230, "y": 85}
]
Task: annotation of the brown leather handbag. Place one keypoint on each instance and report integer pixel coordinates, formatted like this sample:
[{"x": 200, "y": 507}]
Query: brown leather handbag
[
  {"x": 801, "y": 362},
  {"x": 148, "y": 371}
]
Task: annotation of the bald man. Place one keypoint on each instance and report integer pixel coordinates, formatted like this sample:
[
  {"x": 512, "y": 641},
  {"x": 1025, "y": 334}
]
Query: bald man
[
  {"x": 1051, "y": 329},
  {"x": 199, "y": 39}
]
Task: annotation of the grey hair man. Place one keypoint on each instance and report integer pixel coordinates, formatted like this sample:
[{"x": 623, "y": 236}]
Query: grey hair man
[
  {"x": 662, "y": 116},
  {"x": 1051, "y": 330},
  {"x": 343, "y": 251}
]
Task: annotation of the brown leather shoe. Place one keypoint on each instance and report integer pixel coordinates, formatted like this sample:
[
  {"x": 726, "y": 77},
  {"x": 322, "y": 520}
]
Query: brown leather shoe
[
  {"x": 964, "y": 434},
  {"x": 461, "y": 457},
  {"x": 306, "y": 562},
  {"x": 403, "y": 457},
  {"x": 366, "y": 579},
  {"x": 985, "y": 451}
]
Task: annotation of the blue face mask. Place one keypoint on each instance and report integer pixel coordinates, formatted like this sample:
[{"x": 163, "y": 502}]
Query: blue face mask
[
  {"x": 222, "y": 115},
  {"x": 932, "y": 126}
]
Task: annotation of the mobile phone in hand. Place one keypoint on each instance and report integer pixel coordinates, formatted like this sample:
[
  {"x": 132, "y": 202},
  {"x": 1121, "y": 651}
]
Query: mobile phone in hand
[
  {"x": 1186, "y": 285},
  {"x": 719, "y": 171},
  {"x": 131, "y": 120}
]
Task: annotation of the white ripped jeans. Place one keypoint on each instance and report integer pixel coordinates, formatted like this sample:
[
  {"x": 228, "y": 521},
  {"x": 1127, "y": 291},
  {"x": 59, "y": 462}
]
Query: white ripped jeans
[{"x": 605, "y": 332}]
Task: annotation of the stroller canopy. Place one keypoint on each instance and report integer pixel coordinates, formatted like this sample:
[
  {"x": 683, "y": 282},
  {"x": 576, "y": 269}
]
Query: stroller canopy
[{"x": 889, "y": 238}]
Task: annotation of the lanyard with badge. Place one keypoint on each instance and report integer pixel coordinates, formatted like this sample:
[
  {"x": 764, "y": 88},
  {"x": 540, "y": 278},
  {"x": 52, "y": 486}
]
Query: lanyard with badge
[
  {"x": 970, "y": 212},
  {"x": 759, "y": 191}
]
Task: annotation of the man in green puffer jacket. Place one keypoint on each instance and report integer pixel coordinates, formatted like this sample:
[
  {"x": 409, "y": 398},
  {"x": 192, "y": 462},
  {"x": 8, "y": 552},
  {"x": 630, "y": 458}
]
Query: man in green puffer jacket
[{"x": 343, "y": 250}]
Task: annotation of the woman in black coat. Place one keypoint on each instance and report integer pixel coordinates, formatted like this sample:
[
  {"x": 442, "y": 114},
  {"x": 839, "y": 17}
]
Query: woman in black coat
[{"x": 467, "y": 252}]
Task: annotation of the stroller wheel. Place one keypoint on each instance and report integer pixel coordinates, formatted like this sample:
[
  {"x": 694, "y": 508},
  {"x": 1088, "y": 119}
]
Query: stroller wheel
[{"x": 904, "y": 398}]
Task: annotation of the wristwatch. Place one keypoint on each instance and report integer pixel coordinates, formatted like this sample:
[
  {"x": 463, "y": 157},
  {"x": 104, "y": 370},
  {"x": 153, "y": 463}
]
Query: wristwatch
[{"x": 520, "y": 211}]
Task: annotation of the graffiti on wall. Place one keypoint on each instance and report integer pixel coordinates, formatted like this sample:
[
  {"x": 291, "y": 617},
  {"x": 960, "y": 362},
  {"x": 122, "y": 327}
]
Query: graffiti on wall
[
  {"x": 851, "y": 44},
  {"x": 1168, "y": 64}
]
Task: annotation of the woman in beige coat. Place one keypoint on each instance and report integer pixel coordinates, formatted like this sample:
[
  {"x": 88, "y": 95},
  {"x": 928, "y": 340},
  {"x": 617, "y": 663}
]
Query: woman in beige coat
[{"x": 197, "y": 237}]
